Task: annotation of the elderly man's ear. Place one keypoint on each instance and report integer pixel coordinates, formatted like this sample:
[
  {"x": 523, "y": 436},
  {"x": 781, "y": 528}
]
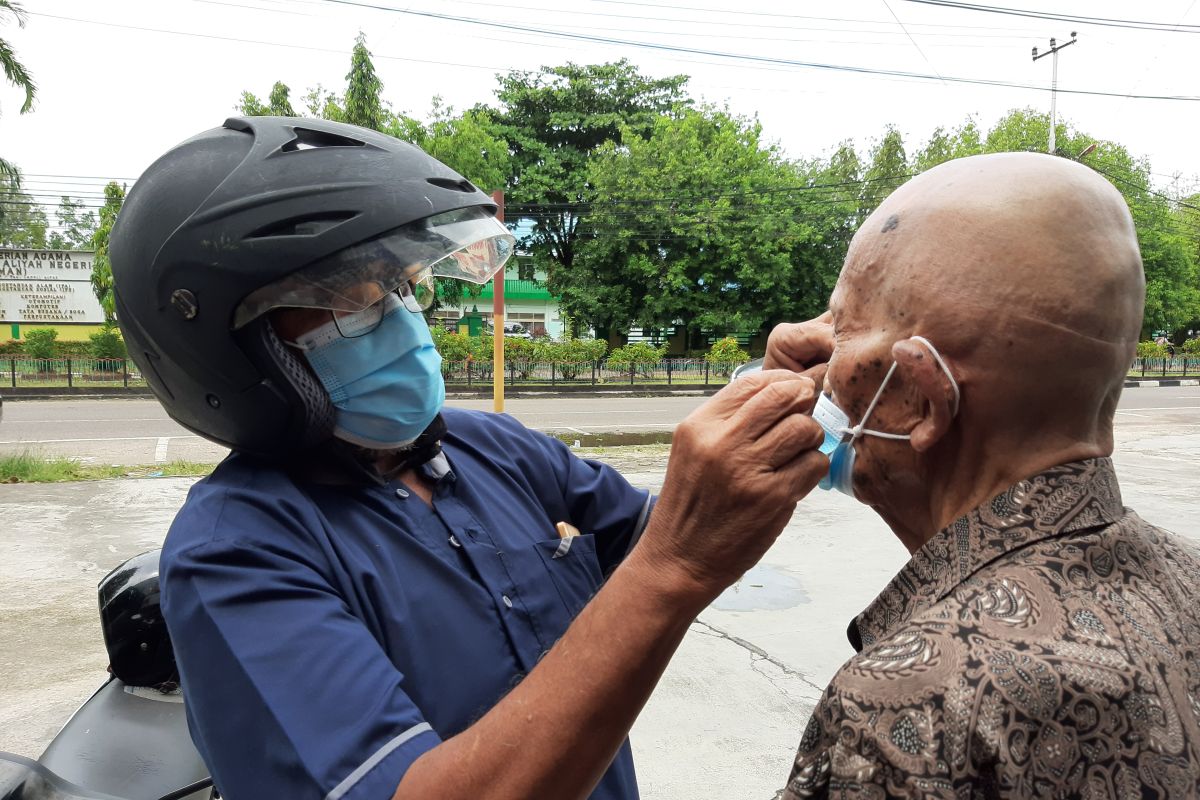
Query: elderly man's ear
[{"x": 918, "y": 367}]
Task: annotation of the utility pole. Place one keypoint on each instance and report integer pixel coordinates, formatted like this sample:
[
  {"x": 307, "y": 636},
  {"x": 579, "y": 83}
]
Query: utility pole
[{"x": 1053, "y": 51}]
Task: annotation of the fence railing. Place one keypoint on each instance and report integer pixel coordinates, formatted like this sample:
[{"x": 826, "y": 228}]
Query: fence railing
[
  {"x": 1177, "y": 367},
  {"x": 669, "y": 372},
  {"x": 73, "y": 372},
  {"x": 79, "y": 372}
]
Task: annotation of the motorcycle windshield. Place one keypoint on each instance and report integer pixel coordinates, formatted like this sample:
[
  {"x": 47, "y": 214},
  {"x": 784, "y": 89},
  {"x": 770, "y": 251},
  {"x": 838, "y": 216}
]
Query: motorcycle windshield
[{"x": 25, "y": 779}]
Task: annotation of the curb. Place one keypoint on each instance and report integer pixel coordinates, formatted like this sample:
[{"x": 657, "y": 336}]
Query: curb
[{"x": 1164, "y": 382}]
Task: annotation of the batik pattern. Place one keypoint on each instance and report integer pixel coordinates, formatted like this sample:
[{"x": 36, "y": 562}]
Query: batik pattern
[{"x": 1047, "y": 644}]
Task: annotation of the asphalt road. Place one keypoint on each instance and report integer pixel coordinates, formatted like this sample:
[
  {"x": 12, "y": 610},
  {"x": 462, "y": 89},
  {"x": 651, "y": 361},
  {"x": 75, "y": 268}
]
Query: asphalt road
[{"x": 128, "y": 432}]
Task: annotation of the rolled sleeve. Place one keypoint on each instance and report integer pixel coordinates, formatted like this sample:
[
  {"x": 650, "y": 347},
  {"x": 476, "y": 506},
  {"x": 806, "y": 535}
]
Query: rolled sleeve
[{"x": 288, "y": 694}]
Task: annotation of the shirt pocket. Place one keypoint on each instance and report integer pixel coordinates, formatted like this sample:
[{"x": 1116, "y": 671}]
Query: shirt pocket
[{"x": 574, "y": 571}]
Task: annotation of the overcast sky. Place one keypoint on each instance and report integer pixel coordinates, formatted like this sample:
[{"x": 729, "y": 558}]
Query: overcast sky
[{"x": 120, "y": 82}]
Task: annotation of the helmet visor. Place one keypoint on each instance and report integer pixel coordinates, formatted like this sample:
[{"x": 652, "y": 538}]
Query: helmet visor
[{"x": 468, "y": 244}]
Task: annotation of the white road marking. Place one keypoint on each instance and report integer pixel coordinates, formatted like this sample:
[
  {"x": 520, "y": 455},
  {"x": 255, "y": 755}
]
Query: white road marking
[
  {"x": 1162, "y": 408},
  {"x": 1130, "y": 413},
  {"x": 160, "y": 452},
  {"x": 104, "y": 439}
]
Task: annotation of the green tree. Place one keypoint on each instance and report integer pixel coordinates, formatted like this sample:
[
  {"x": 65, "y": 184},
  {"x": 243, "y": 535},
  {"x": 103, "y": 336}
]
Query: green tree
[
  {"x": 724, "y": 250},
  {"x": 102, "y": 280},
  {"x": 554, "y": 119},
  {"x": 16, "y": 74},
  {"x": 363, "y": 105},
  {"x": 76, "y": 226},
  {"x": 23, "y": 223},
  {"x": 471, "y": 143},
  {"x": 944, "y": 146},
  {"x": 277, "y": 105},
  {"x": 888, "y": 168}
]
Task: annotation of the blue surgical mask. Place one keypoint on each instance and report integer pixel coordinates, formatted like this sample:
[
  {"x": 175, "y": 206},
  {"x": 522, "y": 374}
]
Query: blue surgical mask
[
  {"x": 840, "y": 435},
  {"x": 386, "y": 384}
]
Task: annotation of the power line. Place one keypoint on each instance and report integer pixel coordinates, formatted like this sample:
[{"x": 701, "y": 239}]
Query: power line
[
  {"x": 741, "y": 56},
  {"x": 1106, "y": 22}
]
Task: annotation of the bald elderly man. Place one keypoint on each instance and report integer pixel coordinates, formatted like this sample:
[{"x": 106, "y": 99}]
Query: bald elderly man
[{"x": 1043, "y": 640}]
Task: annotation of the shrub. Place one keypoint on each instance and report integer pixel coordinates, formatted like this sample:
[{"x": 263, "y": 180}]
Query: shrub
[
  {"x": 454, "y": 347},
  {"x": 571, "y": 355},
  {"x": 39, "y": 344},
  {"x": 725, "y": 355},
  {"x": 1151, "y": 350},
  {"x": 1192, "y": 347},
  {"x": 107, "y": 344},
  {"x": 633, "y": 358}
]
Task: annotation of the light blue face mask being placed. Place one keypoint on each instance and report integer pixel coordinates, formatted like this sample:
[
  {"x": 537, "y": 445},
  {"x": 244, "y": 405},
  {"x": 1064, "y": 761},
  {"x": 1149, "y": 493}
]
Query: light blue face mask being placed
[
  {"x": 840, "y": 435},
  {"x": 386, "y": 384}
]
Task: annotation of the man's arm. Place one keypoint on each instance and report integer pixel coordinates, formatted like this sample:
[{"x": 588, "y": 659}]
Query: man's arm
[{"x": 739, "y": 465}]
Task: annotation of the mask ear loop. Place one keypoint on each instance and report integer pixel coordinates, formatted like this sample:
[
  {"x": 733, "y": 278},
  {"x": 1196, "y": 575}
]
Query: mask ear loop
[
  {"x": 938, "y": 357},
  {"x": 858, "y": 430}
]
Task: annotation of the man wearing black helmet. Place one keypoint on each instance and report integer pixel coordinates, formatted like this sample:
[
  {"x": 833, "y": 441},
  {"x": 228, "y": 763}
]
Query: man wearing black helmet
[{"x": 368, "y": 598}]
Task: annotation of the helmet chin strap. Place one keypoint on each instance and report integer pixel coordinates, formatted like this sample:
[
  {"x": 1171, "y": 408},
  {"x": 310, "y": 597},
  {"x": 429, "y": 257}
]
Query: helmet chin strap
[{"x": 426, "y": 447}]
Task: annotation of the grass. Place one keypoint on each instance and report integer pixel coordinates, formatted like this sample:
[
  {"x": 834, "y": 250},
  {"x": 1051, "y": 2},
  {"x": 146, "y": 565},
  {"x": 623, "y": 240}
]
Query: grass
[{"x": 34, "y": 467}]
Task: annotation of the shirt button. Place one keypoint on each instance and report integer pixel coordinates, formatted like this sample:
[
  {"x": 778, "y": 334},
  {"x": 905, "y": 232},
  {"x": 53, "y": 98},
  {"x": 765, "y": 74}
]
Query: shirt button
[
  {"x": 454, "y": 542},
  {"x": 507, "y": 602},
  {"x": 401, "y": 493}
]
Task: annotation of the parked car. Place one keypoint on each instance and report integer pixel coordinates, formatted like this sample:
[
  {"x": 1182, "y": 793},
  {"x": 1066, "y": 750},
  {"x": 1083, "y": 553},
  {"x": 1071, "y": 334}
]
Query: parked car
[{"x": 515, "y": 330}]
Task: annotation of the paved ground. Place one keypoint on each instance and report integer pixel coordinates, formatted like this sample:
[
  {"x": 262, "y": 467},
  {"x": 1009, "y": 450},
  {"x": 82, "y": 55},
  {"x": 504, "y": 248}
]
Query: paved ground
[{"x": 726, "y": 719}]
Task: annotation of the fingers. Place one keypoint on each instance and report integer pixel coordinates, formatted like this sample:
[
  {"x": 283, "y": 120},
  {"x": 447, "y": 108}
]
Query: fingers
[
  {"x": 800, "y": 345},
  {"x": 793, "y": 435},
  {"x": 774, "y": 402},
  {"x": 803, "y": 473},
  {"x": 735, "y": 395}
]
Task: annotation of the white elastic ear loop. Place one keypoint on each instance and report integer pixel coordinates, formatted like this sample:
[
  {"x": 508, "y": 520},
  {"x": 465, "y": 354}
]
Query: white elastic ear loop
[
  {"x": 938, "y": 357},
  {"x": 858, "y": 430}
]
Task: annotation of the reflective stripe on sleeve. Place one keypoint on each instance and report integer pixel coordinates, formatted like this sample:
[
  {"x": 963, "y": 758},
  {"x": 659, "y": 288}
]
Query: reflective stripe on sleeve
[{"x": 379, "y": 755}]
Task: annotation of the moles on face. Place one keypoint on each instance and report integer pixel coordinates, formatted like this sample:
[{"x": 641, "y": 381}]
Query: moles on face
[{"x": 866, "y": 324}]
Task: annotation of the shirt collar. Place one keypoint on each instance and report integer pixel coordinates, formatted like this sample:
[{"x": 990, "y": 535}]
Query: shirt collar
[{"x": 1064, "y": 499}]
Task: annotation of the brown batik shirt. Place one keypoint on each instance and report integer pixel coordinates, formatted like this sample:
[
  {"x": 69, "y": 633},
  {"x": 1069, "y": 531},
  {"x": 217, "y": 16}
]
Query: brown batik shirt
[{"x": 1047, "y": 644}]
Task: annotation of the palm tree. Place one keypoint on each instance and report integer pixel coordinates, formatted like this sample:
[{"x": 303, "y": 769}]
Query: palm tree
[{"x": 17, "y": 75}]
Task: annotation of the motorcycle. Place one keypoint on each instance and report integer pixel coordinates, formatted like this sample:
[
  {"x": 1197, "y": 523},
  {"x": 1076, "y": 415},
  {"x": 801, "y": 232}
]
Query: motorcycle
[{"x": 129, "y": 740}]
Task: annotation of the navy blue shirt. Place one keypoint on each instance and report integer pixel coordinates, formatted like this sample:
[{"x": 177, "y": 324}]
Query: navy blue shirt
[{"x": 328, "y": 635}]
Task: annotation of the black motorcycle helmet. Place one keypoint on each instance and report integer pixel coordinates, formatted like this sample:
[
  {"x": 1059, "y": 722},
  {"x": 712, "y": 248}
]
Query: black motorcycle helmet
[{"x": 266, "y": 212}]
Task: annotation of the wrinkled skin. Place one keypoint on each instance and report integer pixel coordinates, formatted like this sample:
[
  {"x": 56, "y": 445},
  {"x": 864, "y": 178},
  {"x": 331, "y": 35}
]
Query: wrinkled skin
[{"x": 1024, "y": 271}]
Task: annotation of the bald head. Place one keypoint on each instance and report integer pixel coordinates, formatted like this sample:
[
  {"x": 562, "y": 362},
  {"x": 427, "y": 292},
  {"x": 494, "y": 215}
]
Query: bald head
[
  {"x": 1025, "y": 271},
  {"x": 1013, "y": 236}
]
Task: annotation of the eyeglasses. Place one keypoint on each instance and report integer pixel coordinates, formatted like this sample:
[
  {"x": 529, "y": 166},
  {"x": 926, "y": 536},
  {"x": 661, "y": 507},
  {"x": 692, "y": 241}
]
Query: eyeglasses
[{"x": 415, "y": 294}]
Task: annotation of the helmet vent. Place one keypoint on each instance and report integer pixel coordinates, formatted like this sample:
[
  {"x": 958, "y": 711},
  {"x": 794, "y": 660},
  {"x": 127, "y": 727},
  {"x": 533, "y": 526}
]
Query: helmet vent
[
  {"x": 308, "y": 139},
  {"x": 309, "y": 225},
  {"x": 452, "y": 185}
]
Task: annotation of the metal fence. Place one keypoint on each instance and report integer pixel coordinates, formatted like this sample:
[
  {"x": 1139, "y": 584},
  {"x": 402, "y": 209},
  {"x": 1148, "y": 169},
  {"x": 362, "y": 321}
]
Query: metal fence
[
  {"x": 80, "y": 372},
  {"x": 669, "y": 372},
  {"x": 1177, "y": 367},
  {"x": 74, "y": 372}
]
